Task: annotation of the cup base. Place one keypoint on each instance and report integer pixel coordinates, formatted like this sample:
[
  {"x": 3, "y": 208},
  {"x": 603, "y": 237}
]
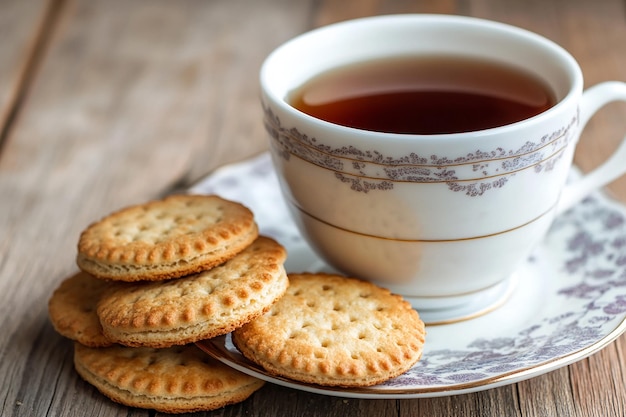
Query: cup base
[
  {"x": 433, "y": 310},
  {"x": 446, "y": 310}
]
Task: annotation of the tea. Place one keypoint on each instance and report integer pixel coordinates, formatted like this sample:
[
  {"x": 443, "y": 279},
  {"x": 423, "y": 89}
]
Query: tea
[{"x": 424, "y": 95}]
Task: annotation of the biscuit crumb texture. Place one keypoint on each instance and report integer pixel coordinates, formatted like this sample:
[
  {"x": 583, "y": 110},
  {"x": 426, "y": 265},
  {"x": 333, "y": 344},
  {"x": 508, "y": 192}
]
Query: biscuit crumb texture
[
  {"x": 198, "y": 306},
  {"x": 169, "y": 238},
  {"x": 334, "y": 331},
  {"x": 180, "y": 379}
]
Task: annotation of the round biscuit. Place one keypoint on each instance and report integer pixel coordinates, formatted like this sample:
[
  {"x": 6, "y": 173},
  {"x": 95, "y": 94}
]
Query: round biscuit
[
  {"x": 72, "y": 309},
  {"x": 181, "y": 379},
  {"x": 168, "y": 238},
  {"x": 334, "y": 331},
  {"x": 198, "y": 306}
]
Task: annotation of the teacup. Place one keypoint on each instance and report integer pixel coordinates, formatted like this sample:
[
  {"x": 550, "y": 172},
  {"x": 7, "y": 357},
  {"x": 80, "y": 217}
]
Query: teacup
[{"x": 443, "y": 219}]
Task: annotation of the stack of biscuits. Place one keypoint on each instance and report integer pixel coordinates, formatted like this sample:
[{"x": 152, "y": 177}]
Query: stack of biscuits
[{"x": 157, "y": 277}]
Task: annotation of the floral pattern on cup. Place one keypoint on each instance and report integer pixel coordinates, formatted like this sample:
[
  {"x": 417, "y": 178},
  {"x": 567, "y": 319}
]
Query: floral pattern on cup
[{"x": 474, "y": 173}]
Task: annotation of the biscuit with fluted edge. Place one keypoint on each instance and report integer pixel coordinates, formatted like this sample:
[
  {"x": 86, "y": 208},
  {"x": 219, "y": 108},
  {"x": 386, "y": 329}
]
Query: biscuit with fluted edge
[
  {"x": 72, "y": 309},
  {"x": 180, "y": 379},
  {"x": 334, "y": 331},
  {"x": 198, "y": 306},
  {"x": 169, "y": 238}
]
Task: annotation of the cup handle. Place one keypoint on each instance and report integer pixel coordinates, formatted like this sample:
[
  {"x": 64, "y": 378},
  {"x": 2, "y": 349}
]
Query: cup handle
[{"x": 615, "y": 166}]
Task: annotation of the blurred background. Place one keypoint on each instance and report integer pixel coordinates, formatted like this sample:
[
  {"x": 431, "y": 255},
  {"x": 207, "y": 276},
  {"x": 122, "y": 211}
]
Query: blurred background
[{"x": 155, "y": 73}]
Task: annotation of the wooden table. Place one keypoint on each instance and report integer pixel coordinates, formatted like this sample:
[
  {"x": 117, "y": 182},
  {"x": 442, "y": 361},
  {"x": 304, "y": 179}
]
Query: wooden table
[{"x": 109, "y": 103}]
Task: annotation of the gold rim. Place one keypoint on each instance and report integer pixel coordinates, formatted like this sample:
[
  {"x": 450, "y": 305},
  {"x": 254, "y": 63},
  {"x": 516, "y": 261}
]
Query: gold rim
[{"x": 343, "y": 229}]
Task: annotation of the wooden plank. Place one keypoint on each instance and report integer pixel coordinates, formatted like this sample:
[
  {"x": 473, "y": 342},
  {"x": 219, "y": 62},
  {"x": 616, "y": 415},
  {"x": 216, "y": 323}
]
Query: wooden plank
[
  {"x": 605, "y": 372},
  {"x": 330, "y": 11},
  {"x": 494, "y": 402},
  {"x": 22, "y": 24},
  {"x": 548, "y": 395},
  {"x": 130, "y": 99}
]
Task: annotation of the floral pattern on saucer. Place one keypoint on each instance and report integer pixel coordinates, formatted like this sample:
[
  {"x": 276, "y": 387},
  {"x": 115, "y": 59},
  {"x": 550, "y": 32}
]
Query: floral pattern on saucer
[
  {"x": 591, "y": 241},
  {"x": 570, "y": 299}
]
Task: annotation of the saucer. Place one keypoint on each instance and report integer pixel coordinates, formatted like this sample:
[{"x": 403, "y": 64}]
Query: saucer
[{"x": 567, "y": 302}]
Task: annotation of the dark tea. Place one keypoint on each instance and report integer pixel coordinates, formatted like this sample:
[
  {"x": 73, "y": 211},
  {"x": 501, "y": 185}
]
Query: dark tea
[{"x": 424, "y": 95}]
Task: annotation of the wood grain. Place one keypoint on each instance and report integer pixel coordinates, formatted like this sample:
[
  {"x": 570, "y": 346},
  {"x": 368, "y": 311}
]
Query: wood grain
[
  {"x": 23, "y": 26},
  {"x": 123, "y": 101}
]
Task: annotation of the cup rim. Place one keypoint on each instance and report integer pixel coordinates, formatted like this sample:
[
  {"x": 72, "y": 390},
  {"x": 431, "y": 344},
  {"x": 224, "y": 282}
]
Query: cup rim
[{"x": 574, "y": 90}]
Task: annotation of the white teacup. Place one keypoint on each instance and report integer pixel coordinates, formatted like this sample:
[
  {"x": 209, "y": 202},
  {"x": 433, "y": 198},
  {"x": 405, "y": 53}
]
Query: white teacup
[{"x": 444, "y": 220}]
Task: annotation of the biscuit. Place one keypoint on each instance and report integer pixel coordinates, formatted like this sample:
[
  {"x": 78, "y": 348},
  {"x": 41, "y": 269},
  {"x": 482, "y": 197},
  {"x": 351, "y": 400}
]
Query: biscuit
[
  {"x": 334, "y": 331},
  {"x": 199, "y": 306},
  {"x": 176, "y": 380},
  {"x": 72, "y": 309},
  {"x": 168, "y": 238}
]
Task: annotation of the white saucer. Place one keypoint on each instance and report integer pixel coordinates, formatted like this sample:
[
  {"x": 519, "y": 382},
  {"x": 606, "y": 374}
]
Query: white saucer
[{"x": 569, "y": 300}]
